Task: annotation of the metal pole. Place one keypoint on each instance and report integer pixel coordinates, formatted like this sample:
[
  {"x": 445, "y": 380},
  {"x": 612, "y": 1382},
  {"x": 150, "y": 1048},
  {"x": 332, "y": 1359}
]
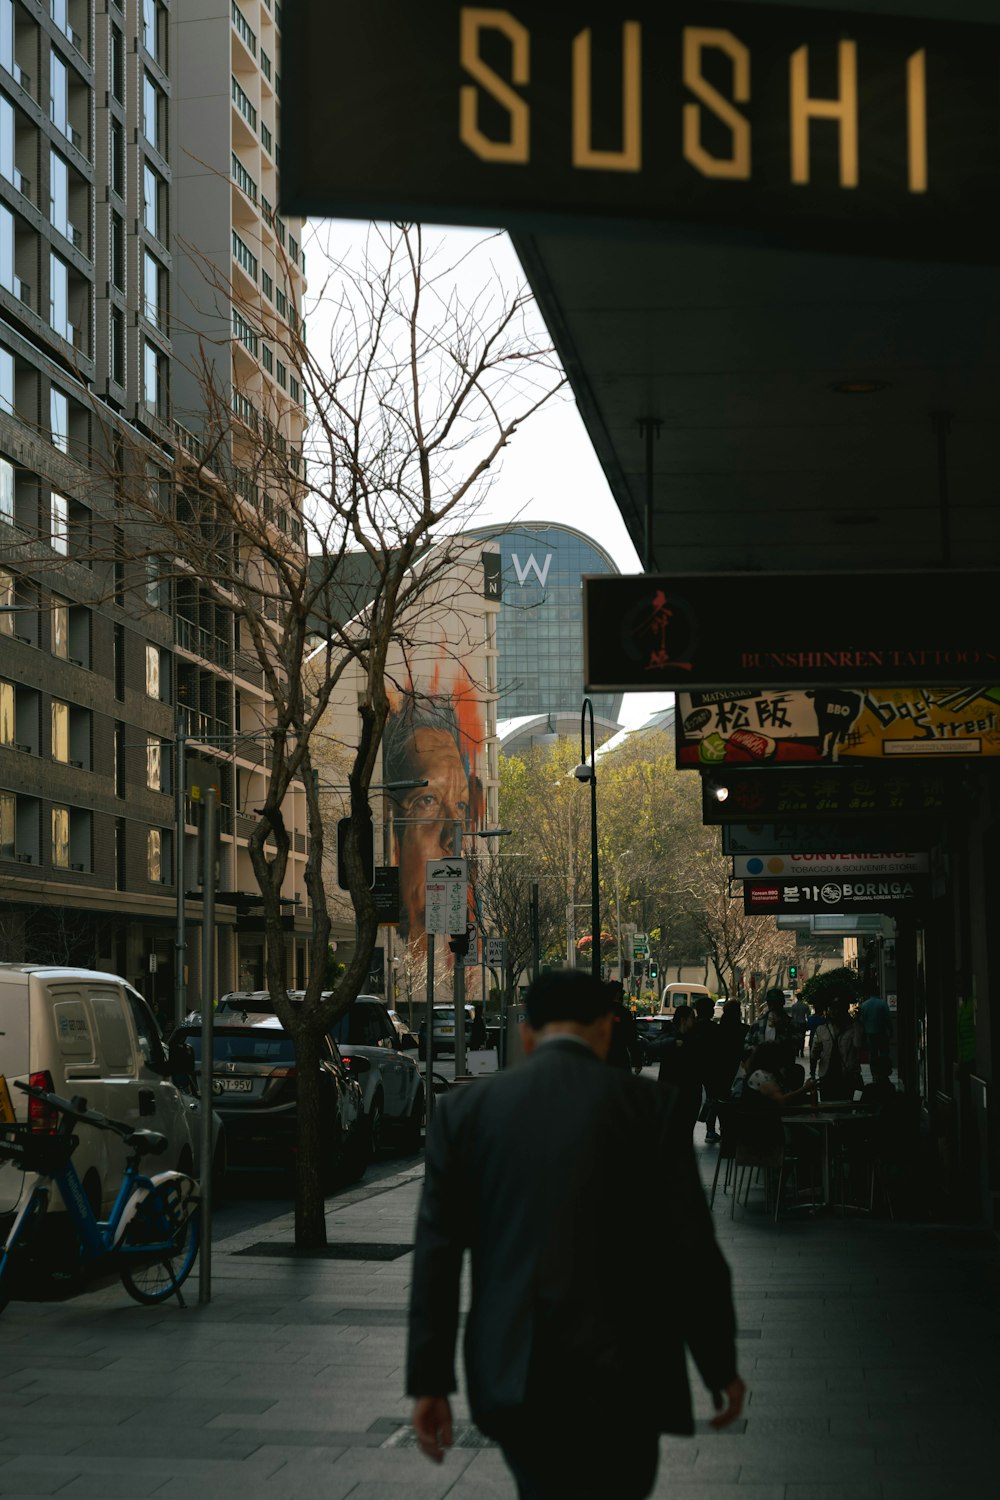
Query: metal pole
[
  {"x": 571, "y": 895},
  {"x": 459, "y": 971},
  {"x": 429, "y": 1032},
  {"x": 180, "y": 938},
  {"x": 536, "y": 956},
  {"x": 618, "y": 917},
  {"x": 207, "y": 1051},
  {"x": 390, "y": 931},
  {"x": 595, "y": 888}
]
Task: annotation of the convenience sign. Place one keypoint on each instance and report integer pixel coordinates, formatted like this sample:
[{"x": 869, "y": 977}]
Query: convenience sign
[{"x": 799, "y": 866}]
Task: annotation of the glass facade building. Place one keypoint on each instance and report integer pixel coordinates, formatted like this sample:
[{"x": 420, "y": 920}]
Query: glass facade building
[{"x": 540, "y": 625}]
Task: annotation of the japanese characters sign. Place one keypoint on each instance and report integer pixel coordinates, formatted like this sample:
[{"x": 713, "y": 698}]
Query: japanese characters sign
[
  {"x": 824, "y": 725},
  {"x": 813, "y": 866},
  {"x": 839, "y": 792},
  {"x": 763, "y": 897},
  {"x": 802, "y": 125},
  {"x": 730, "y": 632}
]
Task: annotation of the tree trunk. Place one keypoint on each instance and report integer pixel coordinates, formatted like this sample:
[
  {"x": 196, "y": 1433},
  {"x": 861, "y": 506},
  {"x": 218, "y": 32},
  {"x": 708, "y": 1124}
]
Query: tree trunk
[{"x": 314, "y": 1144}]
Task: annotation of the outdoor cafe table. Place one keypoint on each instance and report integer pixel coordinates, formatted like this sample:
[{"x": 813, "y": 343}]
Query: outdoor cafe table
[{"x": 827, "y": 1117}]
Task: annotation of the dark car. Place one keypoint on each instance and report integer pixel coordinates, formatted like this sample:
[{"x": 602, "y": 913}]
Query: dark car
[
  {"x": 444, "y": 1030},
  {"x": 652, "y": 1029},
  {"x": 390, "y": 1080},
  {"x": 254, "y": 1093}
]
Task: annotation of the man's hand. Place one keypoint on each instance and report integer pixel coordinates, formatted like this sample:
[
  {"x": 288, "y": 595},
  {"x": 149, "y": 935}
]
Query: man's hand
[
  {"x": 432, "y": 1423},
  {"x": 728, "y": 1403}
]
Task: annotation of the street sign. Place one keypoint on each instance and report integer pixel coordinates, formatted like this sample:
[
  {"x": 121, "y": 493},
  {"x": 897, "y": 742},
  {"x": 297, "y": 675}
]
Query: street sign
[
  {"x": 447, "y": 895},
  {"x": 470, "y": 959},
  {"x": 810, "y": 866},
  {"x": 640, "y": 945},
  {"x": 763, "y": 897},
  {"x": 495, "y": 952},
  {"x": 386, "y": 893}
]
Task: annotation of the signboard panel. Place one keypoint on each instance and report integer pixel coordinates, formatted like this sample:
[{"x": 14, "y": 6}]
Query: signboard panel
[
  {"x": 822, "y": 725},
  {"x": 733, "y": 631},
  {"x": 816, "y": 866},
  {"x": 386, "y": 893},
  {"x": 804, "y": 126},
  {"x": 764, "y": 897},
  {"x": 470, "y": 960},
  {"x": 447, "y": 895},
  {"x": 820, "y": 837},
  {"x": 799, "y": 796},
  {"x": 496, "y": 952}
]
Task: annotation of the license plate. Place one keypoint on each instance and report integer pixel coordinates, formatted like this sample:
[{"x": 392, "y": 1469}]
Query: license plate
[
  {"x": 232, "y": 1085},
  {"x": 6, "y": 1107},
  {"x": 447, "y": 1031}
]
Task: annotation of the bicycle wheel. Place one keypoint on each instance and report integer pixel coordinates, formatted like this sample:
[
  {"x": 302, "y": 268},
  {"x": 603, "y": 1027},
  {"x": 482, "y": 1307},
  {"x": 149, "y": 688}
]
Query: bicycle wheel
[
  {"x": 159, "y": 1277},
  {"x": 14, "y": 1258}
]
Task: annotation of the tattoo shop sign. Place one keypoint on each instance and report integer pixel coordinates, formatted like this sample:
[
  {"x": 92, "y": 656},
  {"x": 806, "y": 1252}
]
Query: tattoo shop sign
[
  {"x": 821, "y": 725},
  {"x": 767, "y": 897},
  {"x": 738, "y": 631}
]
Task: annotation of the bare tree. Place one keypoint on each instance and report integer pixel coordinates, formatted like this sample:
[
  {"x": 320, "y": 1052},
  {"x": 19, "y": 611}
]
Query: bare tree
[{"x": 412, "y": 402}]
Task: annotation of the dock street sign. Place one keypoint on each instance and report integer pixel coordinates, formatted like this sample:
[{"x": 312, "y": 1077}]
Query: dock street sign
[
  {"x": 828, "y": 128},
  {"x": 728, "y": 632}
]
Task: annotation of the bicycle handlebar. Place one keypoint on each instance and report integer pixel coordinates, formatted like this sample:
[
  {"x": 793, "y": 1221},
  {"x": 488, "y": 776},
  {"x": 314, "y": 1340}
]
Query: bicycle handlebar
[{"x": 76, "y": 1109}]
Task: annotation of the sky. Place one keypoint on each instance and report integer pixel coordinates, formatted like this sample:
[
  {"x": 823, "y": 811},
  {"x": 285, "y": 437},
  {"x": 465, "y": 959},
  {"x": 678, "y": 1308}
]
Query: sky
[{"x": 549, "y": 472}]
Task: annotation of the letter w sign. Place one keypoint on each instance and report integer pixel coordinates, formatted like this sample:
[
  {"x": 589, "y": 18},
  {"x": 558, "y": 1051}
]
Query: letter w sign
[{"x": 531, "y": 566}]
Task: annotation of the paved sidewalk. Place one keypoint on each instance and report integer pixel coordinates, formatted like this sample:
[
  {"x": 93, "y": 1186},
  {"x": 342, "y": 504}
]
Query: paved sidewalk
[{"x": 868, "y": 1347}]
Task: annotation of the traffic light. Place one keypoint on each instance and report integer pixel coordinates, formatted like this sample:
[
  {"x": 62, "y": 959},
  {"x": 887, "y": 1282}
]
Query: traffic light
[
  {"x": 653, "y": 969},
  {"x": 793, "y": 970}
]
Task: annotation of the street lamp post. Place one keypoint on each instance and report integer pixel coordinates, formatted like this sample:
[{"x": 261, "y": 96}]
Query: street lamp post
[
  {"x": 587, "y": 771},
  {"x": 618, "y": 910}
]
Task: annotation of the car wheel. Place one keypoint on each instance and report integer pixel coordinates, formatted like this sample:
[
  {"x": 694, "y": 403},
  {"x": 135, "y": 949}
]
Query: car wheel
[
  {"x": 413, "y": 1126},
  {"x": 376, "y": 1117}
]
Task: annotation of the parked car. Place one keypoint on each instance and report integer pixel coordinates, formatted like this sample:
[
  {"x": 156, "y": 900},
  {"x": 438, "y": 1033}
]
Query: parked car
[
  {"x": 444, "y": 1030},
  {"x": 389, "y": 1078},
  {"x": 652, "y": 1029},
  {"x": 254, "y": 1090},
  {"x": 82, "y": 1032},
  {"x": 677, "y": 993},
  {"x": 407, "y": 1036}
]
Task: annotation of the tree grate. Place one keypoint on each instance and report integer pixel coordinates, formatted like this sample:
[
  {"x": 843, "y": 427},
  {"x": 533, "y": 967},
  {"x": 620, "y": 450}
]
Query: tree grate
[{"x": 343, "y": 1250}]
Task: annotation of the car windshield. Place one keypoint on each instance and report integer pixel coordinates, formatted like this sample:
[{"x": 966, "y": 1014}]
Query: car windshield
[{"x": 247, "y": 1046}]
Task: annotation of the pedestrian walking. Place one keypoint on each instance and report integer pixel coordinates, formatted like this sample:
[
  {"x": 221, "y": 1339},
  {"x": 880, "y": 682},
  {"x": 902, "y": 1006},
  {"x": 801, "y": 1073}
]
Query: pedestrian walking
[
  {"x": 836, "y": 1051},
  {"x": 477, "y": 1030},
  {"x": 774, "y": 1026},
  {"x": 876, "y": 1018},
  {"x": 798, "y": 1014},
  {"x": 725, "y": 1055},
  {"x": 545, "y": 1173}
]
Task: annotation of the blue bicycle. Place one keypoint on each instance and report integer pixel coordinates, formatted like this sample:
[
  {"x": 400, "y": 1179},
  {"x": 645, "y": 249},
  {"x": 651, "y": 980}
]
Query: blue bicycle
[{"x": 150, "y": 1239}]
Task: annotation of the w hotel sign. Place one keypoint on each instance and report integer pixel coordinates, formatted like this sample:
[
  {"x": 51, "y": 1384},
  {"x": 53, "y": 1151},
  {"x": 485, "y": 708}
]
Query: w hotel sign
[{"x": 844, "y": 131}]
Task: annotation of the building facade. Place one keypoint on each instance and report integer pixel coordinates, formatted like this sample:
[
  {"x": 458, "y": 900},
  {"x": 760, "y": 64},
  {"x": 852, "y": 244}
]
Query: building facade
[
  {"x": 109, "y": 660},
  {"x": 540, "y": 630}
]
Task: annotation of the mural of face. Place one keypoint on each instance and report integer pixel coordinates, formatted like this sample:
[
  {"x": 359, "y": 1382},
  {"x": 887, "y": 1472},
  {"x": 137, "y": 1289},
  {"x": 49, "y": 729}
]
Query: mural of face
[{"x": 425, "y": 822}]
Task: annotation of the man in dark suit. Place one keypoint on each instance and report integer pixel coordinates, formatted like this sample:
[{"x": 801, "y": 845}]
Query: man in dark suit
[{"x": 565, "y": 1178}]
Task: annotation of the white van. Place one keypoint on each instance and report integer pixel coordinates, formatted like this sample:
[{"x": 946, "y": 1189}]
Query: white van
[
  {"x": 76, "y": 1031},
  {"x": 680, "y": 993}
]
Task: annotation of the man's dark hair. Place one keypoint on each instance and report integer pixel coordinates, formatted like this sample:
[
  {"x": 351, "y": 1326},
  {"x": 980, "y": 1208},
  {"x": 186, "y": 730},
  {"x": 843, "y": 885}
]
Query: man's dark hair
[
  {"x": 565, "y": 995},
  {"x": 703, "y": 1007},
  {"x": 775, "y": 999}
]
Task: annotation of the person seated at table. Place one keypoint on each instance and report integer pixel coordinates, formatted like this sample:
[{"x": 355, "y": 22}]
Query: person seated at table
[
  {"x": 836, "y": 1051},
  {"x": 765, "y": 1096}
]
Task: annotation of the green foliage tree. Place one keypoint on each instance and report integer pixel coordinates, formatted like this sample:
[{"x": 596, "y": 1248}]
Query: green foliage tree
[{"x": 821, "y": 987}]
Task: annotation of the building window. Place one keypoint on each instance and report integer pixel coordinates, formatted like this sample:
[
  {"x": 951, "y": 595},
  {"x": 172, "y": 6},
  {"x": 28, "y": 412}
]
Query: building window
[
  {"x": 151, "y": 288},
  {"x": 267, "y": 358},
  {"x": 6, "y": 491},
  {"x": 154, "y": 856},
  {"x": 6, "y": 602},
  {"x": 152, "y": 671},
  {"x": 59, "y": 297},
  {"x": 60, "y": 837},
  {"x": 267, "y": 286},
  {"x": 7, "y": 139},
  {"x": 154, "y": 584},
  {"x": 7, "y": 34},
  {"x": 118, "y": 251},
  {"x": 117, "y": 346},
  {"x": 60, "y": 628},
  {"x": 117, "y": 65},
  {"x": 58, "y": 92},
  {"x": 60, "y": 731},
  {"x": 119, "y": 750},
  {"x": 150, "y": 111},
  {"x": 6, "y": 248},
  {"x": 6, "y": 381},
  {"x": 59, "y": 419},
  {"x": 150, "y": 376},
  {"x": 154, "y": 765},
  {"x": 117, "y": 158},
  {"x": 59, "y": 523},
  {"x": 151, "y": 201},
  {"x": 8, "y": 717},
  {"x": 282, "y": 376},
  {"x": 8, "y": 825},
  {"x": 59, "y": 194}
]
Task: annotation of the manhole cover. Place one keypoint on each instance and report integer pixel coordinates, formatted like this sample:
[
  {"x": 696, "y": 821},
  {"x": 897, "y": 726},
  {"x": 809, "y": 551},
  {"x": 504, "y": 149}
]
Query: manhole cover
[
  {"x": 345, "y": 1250},
  {"x": 465, "y": 1436}
]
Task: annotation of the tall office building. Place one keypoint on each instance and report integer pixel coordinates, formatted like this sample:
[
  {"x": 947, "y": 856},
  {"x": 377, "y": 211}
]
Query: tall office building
[
  {"x": 540, "y": 632},
  {"x": 103, "y": 657}
]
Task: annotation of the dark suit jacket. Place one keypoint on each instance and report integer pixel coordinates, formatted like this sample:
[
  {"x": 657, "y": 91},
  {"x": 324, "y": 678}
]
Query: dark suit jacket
[{"x": 568, "y": 1181}]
